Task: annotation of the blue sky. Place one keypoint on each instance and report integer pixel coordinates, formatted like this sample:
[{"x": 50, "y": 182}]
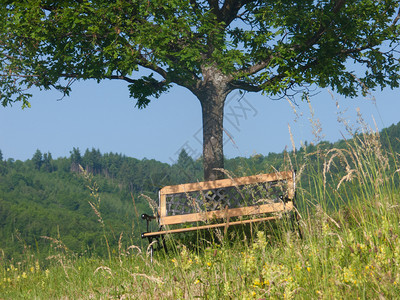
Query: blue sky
[{"x": 104, "y": 117}]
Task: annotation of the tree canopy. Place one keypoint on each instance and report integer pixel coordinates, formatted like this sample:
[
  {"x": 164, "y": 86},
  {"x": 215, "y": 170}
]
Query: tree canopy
[{"x": 210, "y": 47}]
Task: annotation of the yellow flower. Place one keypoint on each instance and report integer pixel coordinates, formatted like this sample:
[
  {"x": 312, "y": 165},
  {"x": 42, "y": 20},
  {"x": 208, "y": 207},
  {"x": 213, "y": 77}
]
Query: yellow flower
[
  {"x": 308, "y": 269},
  {"x": 24, "y": 275},
  {"x": 47, "y": 272},
  {"x": 209, "y": 264},
  {"x": 32, "y": 269},
  {"x": 197, "y": 281}
]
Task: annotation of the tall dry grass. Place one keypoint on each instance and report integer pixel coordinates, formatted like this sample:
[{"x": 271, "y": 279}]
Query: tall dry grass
[{"x": 349, "y": 199}]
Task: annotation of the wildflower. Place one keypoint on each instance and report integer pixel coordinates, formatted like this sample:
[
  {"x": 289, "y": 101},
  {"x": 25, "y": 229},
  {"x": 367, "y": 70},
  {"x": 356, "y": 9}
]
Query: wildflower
[
  {"x": 256, "y": 283},
  {"x": 260, "y": 242},
  {"x": 24, "y": 275},
  {"x": 197, "y": 281},
  {"x": 37, "y": 266},
  {"x": 298, "y": 266},
  {"x": 32, "y": 269},
  {"x": 209, "y": 264},
  {"x": 349, "y": 276},
  {"x": 47, "y": 272},
  {"x": 308, "y": 269}
]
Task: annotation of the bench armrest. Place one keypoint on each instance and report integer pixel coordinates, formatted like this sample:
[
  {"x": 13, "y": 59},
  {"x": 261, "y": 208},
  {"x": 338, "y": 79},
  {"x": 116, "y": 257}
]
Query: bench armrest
[
  {"x": 147, "y": 217},
  {"x": 148, "y": 220},
  {"x": 285, "y": 199}
]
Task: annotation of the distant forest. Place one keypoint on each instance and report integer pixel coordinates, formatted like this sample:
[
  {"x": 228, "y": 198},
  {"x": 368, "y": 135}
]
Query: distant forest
[{"x": 43, "y": 198}]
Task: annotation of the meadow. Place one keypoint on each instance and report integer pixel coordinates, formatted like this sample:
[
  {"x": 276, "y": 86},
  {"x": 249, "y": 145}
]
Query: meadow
[{"x": 348, "y": 199}]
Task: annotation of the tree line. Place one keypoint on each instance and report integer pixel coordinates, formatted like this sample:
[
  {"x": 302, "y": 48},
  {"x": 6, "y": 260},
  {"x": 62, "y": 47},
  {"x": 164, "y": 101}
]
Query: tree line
[{"x": 47, "y": 197}]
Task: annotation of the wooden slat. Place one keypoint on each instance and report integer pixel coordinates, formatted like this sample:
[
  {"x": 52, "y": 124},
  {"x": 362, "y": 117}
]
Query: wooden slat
[
  {"x": 232, "y": 212},
  {"x": 180, "y": 230},
  {"x": 207, "y": 185},
  {"x": 163, "y": 205}
]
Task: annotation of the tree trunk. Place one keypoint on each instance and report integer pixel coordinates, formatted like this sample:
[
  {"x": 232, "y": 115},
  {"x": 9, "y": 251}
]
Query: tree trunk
[
  {"x": 213, "y": 129},
  {"x": 212, "y": 92}
]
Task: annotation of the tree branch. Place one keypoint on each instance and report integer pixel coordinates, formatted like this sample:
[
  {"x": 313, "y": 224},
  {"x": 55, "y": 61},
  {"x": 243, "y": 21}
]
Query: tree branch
[
  {"x": 122, "y": 77},
  {"x": 396, "y": 19},
  {"x": 230, "y": 10},
  {"x": 242, "y": 85},
  {"x": 214, "y": 6},
  {"x": 258, "y": 67},
  {"x": 147, "y": 64}
]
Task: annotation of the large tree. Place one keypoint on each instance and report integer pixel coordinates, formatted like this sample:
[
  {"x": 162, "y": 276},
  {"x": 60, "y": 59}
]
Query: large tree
[{"x": 211, "y": 47}]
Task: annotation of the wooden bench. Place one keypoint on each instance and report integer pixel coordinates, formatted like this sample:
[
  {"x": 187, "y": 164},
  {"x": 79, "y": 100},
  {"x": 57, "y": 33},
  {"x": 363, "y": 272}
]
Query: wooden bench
[{"x": 222, "y": 203}]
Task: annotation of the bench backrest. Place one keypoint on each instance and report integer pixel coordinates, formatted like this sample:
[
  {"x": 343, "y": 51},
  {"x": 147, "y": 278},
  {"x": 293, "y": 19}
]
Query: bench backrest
[{"x": 233, "y": 197}]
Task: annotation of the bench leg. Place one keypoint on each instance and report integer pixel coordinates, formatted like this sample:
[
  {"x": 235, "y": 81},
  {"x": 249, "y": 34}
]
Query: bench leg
[
  {"x": 150, "y": 239},
  {"x": 151, "y": 253},
  {"x": 160, "y": 244},
  {"x": 295, "y": 221},
  {"x": 163, "y": 243}
]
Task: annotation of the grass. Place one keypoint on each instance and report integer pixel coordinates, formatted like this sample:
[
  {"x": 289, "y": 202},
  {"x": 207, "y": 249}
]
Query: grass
[{"x": 350, "y": 249}]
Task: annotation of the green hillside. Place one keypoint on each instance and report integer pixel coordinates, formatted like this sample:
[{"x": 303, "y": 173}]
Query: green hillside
[{"x": 44, "y": 197}]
